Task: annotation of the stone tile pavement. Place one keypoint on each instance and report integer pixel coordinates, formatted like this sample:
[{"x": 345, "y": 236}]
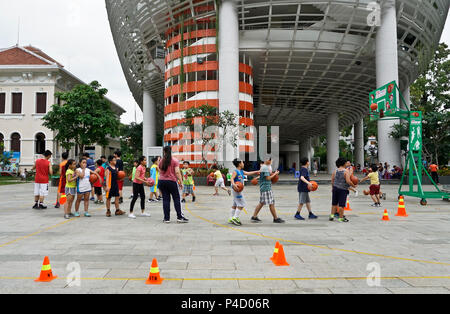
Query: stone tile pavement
[{"x": 208, "y": 255}]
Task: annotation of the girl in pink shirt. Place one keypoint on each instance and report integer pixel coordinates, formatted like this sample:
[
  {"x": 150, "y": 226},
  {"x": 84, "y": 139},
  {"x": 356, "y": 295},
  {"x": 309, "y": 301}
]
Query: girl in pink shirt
[{"x": 138, "y": 188}]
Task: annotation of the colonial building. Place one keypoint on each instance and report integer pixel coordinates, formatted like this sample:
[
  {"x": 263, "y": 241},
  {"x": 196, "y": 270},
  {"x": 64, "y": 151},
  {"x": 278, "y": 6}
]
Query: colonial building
[{"x": 29, "y": 79}]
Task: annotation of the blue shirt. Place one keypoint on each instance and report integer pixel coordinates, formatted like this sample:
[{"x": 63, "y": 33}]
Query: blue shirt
[
  {"x": 239, "y": 176},
  {"x": 90, "y": 164},
  {"x": 302, "y": 186}
]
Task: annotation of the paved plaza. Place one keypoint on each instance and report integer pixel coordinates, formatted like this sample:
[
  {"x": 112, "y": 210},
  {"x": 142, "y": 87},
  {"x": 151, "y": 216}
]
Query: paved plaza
[{"x": 208, "y": 255}]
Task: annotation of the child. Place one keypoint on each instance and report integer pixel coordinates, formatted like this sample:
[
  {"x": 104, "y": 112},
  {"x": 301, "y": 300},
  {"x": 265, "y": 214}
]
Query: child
[
  {"x": 154, "y": 174},
  {"x": 138, "y": 188},
  {"x": 303, "y": 190},
  {"x": 350, "y": 169},
  {"x": 374, "y": 186},
  {"x": 266, "y": 193},
  {"x": 84, "y": 187},
  {"x": 71, "y": 187},
  {"x": 219, "y": 181},
  {"x": 188, "y": 181},
  {"x": 238, "y": 198},
  {"x": 99, "y": 183},
  {"x": 112, "y": 188},
  {"x": 340, "y": 180},
  {"x": 133, "y": 174},
  {"x": 62, "y": 178}
]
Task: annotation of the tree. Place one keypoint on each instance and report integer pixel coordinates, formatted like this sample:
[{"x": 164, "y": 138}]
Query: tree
[
  {"x": 430, "y": 94},
  {"x": 210, "y": 117},
  {"x": 85, "y": 117},
  {"x": 131, "y": 139}
]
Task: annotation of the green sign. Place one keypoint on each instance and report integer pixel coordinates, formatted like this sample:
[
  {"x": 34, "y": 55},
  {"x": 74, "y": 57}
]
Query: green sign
[
  {"x": 415, "y": 132},
  {"x": 384, "y": 100}
]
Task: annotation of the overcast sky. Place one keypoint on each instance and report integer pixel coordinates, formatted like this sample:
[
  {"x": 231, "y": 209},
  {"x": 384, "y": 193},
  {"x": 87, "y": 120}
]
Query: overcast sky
[{"x": 76, "y": 33}]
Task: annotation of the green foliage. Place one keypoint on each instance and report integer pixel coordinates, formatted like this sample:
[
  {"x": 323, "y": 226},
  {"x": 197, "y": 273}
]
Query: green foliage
[
  {"x": 430, "y": 94},
  {"x": 5, "y": 159},
  {"x": 85, "y": 117},
  {"x": 131, "y": 139}
]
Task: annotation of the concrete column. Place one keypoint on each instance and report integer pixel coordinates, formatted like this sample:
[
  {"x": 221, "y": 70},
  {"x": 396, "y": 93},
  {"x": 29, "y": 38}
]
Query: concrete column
[
  {"x": 332, "y": 141},
  {"x": 387, "y": 71},
  {"x": 407, "y": 97},
  {"x": 149, "y": 123},
  {"x": 229, "y": 65},
  {"x": 359, "y": 143}
]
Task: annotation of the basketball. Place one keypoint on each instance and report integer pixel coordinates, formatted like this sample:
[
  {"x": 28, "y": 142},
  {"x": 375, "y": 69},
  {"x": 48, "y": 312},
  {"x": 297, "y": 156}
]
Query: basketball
[
  {"x": 121, "y": 175},
  {"x": 354, "y": 180},
  {"x": 275, "y": 179},
  {"x": 366, "y": 192},
  {"x": 255, "y": 181},
  {"x": 315, "y": 186},
  {"x": 93, "y": 178},
  {"x": 374, "y": 107},
  {"x": 238, "y": 186},
  {"x": 150, "y": 182}
]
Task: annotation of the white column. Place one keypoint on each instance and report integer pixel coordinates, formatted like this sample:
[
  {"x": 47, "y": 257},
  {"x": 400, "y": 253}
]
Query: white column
[
  {"x": 149, "y": 123},
  {"x": 332, "y": 141},
  {"x": 229, "y": 63},
  {"x": 359, "y": 143},
  {"x": 387, "y": 71},
  {"x": 407, "y": 97}
]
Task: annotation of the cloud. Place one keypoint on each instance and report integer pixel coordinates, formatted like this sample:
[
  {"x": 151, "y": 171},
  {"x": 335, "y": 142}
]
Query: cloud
[{"x": 76, "y": 33}]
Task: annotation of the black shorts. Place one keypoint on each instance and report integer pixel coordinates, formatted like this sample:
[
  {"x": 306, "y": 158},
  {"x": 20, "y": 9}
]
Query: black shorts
[
  {"x": 98, "y": 190},
  {"x": 339, "y": 197}
]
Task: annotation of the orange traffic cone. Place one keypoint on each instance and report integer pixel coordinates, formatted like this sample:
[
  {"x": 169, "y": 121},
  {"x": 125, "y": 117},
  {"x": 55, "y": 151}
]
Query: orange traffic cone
[
  {"x": 385, "y": 216},
  {"x": 280, "y": 259},
  {"x": 401, "y": 208},
  {"x": 46, "y": 272},
  {"x": 347, "y": 207},
  {"x": 275, "y": 251},
  {"x": 153, "y": 277},
  {"x": 62, "y": 199}
]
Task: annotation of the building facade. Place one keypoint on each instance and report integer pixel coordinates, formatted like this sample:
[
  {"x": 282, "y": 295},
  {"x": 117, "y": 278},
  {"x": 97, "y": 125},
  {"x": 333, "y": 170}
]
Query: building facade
[
  {"x": 29, "y": 79},
  {"x": 311, "y": 64}
]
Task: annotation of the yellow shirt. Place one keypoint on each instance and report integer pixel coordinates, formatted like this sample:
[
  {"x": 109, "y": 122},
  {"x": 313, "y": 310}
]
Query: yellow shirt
[
  {"x": 69, "y": 174},
  {"x": 374, "y": 179},
  {"x": 218, "y": 174}
]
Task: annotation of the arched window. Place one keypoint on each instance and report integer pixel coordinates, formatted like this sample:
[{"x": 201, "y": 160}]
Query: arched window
[
  {"x": 39, "y": 146},
  {"x": 15, "y": 142},
  {"x": 2, "y": 143}
]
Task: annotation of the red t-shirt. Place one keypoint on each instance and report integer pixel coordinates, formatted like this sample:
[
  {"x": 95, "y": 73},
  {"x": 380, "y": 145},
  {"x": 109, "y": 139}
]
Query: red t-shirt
[
  {"x": 169, "y": 174},
  {"x": 98, "y": 183},
  {"x": 433, "y": 168},
  {"x": 140, "y": 173},
  {"x": 42, "y": 171}
]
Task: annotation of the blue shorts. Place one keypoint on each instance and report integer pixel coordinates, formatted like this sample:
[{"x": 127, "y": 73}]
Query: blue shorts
[{"x": 339, "y": 197}]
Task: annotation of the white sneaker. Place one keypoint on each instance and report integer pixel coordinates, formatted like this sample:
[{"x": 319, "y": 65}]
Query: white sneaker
[
  {"x": 145, "y": 215},
  {"x": 356, "y": 193},
  {"x": 132, "y": 216}
]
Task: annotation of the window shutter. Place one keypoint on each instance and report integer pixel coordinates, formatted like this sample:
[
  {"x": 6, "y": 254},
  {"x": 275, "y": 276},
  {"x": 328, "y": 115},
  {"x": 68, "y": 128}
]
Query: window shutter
[
  {"x": 41, "y": 103},
  {"x": 17, "y": 103},
  {"x": 2, "y": 102}
]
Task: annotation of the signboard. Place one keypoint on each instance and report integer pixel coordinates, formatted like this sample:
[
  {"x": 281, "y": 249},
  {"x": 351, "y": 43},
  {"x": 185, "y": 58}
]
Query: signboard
[
  {"x": 156, "y": 151},
  {"x": 384, "y": 100},
  {"x": 415, "y": 132},
  {"x": 13, "y": 167}
]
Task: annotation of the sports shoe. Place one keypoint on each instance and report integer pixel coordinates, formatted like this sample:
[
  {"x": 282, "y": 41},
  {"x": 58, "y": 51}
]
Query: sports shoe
[
  {"x": 97, "y": 202},
  {"x": 132, "y": 216},
  {"x": 108, "y": 213},
  {"x": 229, "y": 192},
  {"x": 151, "y": 200},
  {"x": 66, "y": 216},
  {"x": 77, "y": 214},
  {"x": 331, "y": 218},
  {"x": 356, "y": 193},
  {"x": 145, "y": 214},
  {"x": 182, "y": 220},
  {"x": 378, "y": 204},
  {"x": 312, "y": 216},
  {"x": 36, "y": 206},
  {"x": 236, "y": 221},
  {"x": 119, "y": 212},
  {"x": 278, "y": 221},
  {"x": 298, "y": 217},
  {"x": 86, "y": 214},
  {"x": 57, "y": 205},
  {"x": 193, "y": 199},
  {"x": 343, "y": 219},
  {"x": 166, "y": 221},
  {"x": 42, "y": 206},
  {"x": 384, "y": 196},
  {"x": 183, "y": 201},
  {"x": 255, "y": 219},
  {"x": 92, "y": 199},
  {"x": 230, "y": 221},
  {"x": 374, "y": 205},
  {"x": 336, "y": 215}
]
